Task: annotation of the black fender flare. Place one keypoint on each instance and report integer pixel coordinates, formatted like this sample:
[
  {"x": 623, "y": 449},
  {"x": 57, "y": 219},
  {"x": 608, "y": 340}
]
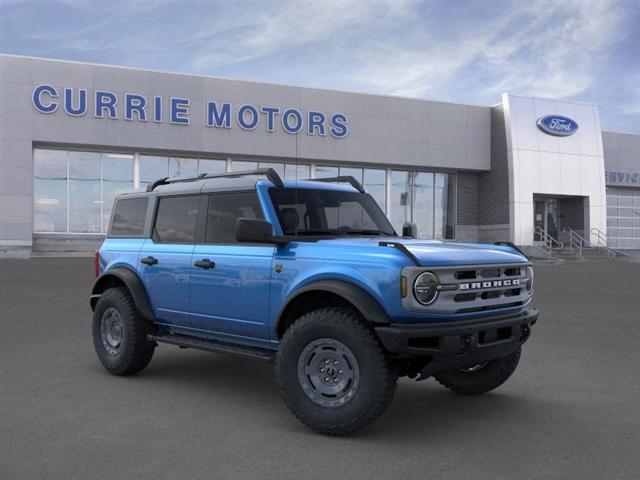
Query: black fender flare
[
  {"x": 368, "y": 307},
  {"x": 132, "y": 282}
]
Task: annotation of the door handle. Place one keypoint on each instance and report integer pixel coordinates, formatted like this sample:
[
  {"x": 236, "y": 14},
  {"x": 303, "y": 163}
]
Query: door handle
[
  {"x": 205, "y": 263},
  {"x": 149, "y": 260}
]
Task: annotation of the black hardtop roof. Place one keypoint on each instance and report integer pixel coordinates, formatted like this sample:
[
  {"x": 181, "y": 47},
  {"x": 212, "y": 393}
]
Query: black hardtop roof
[{"x": 242, "y": 180}]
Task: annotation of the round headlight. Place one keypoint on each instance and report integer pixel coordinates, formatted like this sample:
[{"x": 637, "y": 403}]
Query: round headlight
[
  {"x": 425, "y": 288},
  {"x": 529, "y": 279}
]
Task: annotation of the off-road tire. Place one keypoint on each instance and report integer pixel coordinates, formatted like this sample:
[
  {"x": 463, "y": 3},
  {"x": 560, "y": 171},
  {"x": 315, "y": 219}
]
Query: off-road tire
[
  {"x": 487, "y": 378},
  {"x": 377, "y": 377},
  {"x": 135, "y": 351}
]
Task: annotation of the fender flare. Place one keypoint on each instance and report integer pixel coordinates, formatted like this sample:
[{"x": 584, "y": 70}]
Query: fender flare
[
  {"x": 133, "y": 284},
  {"x": 368, "y": 307}
]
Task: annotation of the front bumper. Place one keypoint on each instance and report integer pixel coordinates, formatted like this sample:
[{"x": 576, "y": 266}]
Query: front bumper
[{"x": 451, "y": 345}]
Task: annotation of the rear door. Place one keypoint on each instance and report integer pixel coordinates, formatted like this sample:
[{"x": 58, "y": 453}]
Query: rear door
[
  {"x": 165, "y": 258},
  {"x": 230, "y": 281}
]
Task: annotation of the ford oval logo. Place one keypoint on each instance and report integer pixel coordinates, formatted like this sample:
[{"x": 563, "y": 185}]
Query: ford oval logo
[{"x": 557, "y": 125}]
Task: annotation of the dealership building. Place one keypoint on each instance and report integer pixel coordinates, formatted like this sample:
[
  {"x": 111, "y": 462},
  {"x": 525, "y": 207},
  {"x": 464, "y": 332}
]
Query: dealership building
[{"x": 74, "y": 135}]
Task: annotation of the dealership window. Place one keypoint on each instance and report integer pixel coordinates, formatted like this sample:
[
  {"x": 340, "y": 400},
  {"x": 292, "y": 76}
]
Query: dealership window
[
  {"x": 400, "y": 201},
  {"x": 239, "y": 165},
  {"x": 206, "y": 165},
  {"x": 74, "y": 191},
  {"x": 50, "y": 190},
  {"x": 374, "y": 182},
  {"x": 297, "y": 172},
  {"x": 152, "y": 168},
  {"x": 183, "y": 167},
  {"x": 85, "y": 196},
  {"x": 324, "y": 171},
  {"x": 117, "y": 178}
]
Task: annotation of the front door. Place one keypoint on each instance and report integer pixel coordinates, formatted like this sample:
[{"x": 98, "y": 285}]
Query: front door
[
  {"x": 545, "y": 217},
  {"x": 231, "y": 281},
  {"x": 165, "y": 259}
]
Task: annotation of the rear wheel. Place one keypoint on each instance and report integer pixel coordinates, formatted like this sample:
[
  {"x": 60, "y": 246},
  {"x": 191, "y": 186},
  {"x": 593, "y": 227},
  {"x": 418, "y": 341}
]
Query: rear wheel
[
  {"x": 120, "y": 334},
  {"x": 480, "y": 378},
  {"x": 332, "y": 372}
]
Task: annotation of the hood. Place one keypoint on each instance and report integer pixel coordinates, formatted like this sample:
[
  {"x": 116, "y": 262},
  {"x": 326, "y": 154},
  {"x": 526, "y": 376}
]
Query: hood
[{"x": 437, "y": 253}]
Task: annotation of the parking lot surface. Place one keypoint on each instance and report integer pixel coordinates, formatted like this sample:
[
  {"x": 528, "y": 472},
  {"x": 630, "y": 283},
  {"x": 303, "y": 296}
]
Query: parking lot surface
[{"x": 572, "y": 409}]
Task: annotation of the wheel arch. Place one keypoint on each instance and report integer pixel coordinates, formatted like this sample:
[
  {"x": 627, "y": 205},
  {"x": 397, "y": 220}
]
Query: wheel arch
[
  {"x": 123, "y": 277},
  {"x": 329, "y": 293}
]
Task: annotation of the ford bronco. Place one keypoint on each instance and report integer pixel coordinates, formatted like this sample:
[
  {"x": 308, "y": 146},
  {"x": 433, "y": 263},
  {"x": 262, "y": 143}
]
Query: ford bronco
[{"x": 309, "y": 275}]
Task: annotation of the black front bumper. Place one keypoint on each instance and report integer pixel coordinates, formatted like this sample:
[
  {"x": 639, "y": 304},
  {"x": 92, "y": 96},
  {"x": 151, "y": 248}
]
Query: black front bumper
[{"x": 450, "y": 345}]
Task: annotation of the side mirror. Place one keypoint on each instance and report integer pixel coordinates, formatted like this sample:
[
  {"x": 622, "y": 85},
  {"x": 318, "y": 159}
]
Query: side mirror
[
  {"x": 253, "y": 230},
  {"x": 409, "y": 230}
]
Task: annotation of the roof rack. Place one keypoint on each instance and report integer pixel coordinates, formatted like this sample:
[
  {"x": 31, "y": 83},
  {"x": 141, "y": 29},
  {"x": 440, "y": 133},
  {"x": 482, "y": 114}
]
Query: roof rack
[
  {"x": 270, "y": 173},
  {"x": 342, "y": 179}
]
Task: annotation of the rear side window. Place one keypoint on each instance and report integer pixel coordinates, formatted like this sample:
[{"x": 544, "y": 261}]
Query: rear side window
[
  {"x": 128, "y": 217},
  {"x": 176, "y": 219},
  {"x": 224, "y": 209}
]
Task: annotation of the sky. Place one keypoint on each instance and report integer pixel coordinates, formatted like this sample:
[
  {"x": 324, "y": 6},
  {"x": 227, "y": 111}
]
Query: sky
[{"x": 456, "y": 51}]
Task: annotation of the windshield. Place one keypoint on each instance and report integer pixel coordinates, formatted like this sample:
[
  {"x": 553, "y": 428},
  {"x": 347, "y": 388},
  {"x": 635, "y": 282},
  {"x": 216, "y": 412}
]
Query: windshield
[{"x": 328, "y": 212}]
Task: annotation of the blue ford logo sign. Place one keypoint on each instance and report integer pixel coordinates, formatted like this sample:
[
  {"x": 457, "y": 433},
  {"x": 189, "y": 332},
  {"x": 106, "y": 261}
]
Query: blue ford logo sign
[{"x": 557, "y": 125}]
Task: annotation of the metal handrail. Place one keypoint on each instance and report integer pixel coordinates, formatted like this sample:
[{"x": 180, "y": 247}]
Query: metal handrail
[
  {"x": 576, "y": 241},
  {"x": 603, "y": 244},
  {"x": 548, "y": 240}
]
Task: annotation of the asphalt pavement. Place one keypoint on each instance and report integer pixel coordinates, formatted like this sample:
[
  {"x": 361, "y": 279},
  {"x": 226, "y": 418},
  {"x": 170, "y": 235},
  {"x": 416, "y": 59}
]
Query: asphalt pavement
[{"x": 571, "y": 410}]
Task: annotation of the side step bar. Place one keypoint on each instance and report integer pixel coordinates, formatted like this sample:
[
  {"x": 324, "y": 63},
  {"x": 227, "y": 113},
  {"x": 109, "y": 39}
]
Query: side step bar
[{"x": 186, "y": 341}]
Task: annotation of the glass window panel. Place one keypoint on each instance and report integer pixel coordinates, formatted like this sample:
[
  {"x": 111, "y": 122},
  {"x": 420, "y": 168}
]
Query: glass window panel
[
  {"x": 296, "y": 172},
  {"x": 117, "y": 178},
  {"x": 176, "y": 219},
  {"x": 128, "y": 219},
  {"x": 278, "y": 167},
  {"x": 206, "y": 165},
  {"x": 84, "y": 192},
  {"x": 239, "y": 166},
  {"x": 450, "y": 211},
  {"x": 50, "y": 190},
  {"x": 224, "y": 210},
  {"x": 324, "y": 171},
  {"x": 152, "y": 168},
  {"x": 183, "y": 167},
  {"x": 354, "y": 172},
  {"x": 423, "y": 205},
  {"x": 375, "y": 184},
  {"x": 400, "y": 199}
]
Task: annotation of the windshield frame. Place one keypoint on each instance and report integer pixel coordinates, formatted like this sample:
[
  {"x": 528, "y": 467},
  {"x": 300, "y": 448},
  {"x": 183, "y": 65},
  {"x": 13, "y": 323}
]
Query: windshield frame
[{"x": 371, "y": 207}]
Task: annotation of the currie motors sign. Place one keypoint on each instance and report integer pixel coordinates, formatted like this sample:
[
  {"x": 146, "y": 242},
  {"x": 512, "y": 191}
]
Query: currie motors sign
[
  {"x": 557, "y": 125},
  {"x": 132, "y": 106}
]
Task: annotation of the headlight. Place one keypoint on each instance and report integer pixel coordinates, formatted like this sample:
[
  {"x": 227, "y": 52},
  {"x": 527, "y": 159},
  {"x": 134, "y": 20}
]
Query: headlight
[
  {"x": 529, "y": 279},
  {"x": 425, "y": 288}
]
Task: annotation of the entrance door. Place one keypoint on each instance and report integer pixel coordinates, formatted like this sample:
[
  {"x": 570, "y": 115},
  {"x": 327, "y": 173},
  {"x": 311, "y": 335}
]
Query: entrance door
[{"x": 545, "y": 217}]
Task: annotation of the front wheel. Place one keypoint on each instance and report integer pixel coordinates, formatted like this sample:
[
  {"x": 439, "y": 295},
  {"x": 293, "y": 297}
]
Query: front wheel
[
  {"x": 120, "y": 334},
  {"x": 332, "y": 372},
  {"x": 481, "y": 378}
]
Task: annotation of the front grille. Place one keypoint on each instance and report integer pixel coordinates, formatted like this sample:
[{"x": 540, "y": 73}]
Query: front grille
[{"x": 473, "y": 288}]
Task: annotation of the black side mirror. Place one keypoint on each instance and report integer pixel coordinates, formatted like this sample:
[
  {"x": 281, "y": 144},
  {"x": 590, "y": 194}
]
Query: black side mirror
[
  {"x": 253, "y": 230},
  {"x": 409, "y": 230}
]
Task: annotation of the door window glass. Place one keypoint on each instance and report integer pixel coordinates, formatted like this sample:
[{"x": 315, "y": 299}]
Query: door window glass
[
  {"x": 176, "y": 219},
  {"x": 400, "y": 199},
  {"x": 224, "y": 209},
  {"x": 128, "y": 218}
]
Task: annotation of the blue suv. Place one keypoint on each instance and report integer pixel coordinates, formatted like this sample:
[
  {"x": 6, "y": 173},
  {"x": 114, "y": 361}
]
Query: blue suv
[{"x": 309, "y": 275}]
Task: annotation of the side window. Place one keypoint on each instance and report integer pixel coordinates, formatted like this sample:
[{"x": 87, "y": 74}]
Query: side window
[
  {"x": 224, "y": 209},
  {"x": 176, "y": 219},
  {"x": 128, "y": 217}
]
